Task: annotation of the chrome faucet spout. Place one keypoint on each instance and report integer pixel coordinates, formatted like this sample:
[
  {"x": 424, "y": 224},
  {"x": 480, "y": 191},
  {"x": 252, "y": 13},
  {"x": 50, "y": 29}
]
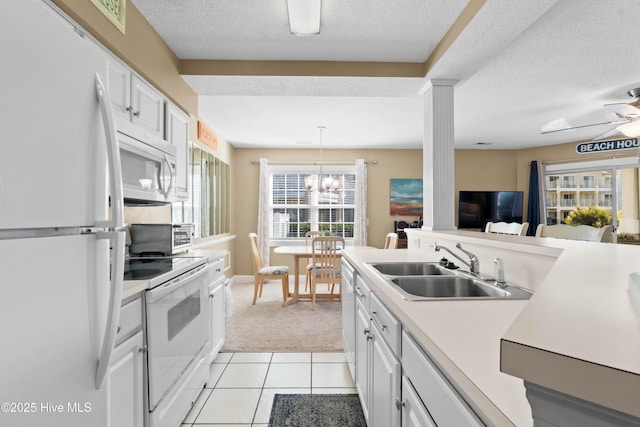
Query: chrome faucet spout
[
  {"x": 474, "y": 262},
  {"x": 437, "y": 248}
]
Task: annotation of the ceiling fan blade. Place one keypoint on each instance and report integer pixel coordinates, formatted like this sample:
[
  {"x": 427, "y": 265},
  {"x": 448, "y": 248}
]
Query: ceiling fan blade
[
  {"x": 584, "y": 126},
  {"x": 624, "y": 110},
  {"x": 630, "y": 129},
  {"x": 609, "y": 133}
]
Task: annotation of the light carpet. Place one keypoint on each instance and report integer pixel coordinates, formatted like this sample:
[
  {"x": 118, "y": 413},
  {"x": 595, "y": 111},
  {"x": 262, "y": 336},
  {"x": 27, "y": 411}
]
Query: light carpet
[{"x": 270, "y": 327}]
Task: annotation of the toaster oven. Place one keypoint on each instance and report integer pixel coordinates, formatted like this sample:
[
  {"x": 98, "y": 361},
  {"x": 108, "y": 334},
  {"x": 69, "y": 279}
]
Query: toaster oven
[{"x": 161, "y": 239}]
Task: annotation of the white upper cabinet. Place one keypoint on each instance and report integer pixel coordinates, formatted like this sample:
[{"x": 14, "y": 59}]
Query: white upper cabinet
[
  {"x": 135, "y": 102},
  {"x": 177, "y": 133},
  {"x": 147, "y": 107},
  {"x": 120, "y": 90}
]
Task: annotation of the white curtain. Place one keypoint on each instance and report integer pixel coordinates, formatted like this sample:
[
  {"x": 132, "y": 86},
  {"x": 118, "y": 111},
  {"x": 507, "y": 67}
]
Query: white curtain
[
  {"x": 263, "y": 211},
  {"x": 361, "y": 220}
]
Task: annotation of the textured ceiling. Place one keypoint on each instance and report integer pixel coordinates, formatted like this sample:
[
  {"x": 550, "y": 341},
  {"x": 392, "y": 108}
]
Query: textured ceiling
[{"x": 519, "y": 64}]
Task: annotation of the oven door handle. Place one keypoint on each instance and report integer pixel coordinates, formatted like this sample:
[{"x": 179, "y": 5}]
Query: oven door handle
[{"x": 160, "y": 291}]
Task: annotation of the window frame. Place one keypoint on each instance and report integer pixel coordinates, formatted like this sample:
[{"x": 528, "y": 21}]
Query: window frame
[{"x": 315, "y": 207}]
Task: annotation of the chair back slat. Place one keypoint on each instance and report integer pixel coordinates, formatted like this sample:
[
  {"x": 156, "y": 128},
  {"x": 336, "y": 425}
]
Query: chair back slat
[
  {"x": 309, "y": 236},
  {"x": 325, "y": 265},
  {"x": 255, "y": 252},
  {"x": 391, "y": 241}
]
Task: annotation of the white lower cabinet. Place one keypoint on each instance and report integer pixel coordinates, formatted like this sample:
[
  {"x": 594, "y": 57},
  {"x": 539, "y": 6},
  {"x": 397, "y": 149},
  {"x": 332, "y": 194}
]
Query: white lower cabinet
[
  {"x": 398, "y": 383},
  {"x": 126, "y": 398},
  {"x": 384, "y": 384},
  {"x": 378, "y": 369},
  {"x": 217, "y": 305},
  {"x": 125, "y": 384},
  {"x": 362, "y": 357},
  {"x": 442, "y": 401},
  {"x": 414, "y": 414},
  {"x": 216, "y": 296}
]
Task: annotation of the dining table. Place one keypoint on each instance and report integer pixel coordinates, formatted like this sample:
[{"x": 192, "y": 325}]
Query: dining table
[{"x": 298, "y": 252}]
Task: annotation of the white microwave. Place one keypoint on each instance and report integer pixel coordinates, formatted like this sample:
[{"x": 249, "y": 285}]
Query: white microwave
[{"x": 148, "y": 170}]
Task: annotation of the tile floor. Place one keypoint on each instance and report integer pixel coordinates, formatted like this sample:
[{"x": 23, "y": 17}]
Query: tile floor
[{"x": 241, "y": 387}]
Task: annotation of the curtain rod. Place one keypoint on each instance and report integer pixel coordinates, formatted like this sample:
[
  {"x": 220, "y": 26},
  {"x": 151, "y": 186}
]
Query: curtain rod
[
  {"x": 582, "y": 159},
  {"x": 315, "y": 163}
]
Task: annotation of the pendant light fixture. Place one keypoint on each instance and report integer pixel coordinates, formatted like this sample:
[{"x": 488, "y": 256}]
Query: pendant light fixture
[{"x": 324, "y": 184}]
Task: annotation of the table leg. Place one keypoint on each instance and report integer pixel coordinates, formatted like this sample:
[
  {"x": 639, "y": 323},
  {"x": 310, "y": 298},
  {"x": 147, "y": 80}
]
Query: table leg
[{"x": 296, "y": 288}]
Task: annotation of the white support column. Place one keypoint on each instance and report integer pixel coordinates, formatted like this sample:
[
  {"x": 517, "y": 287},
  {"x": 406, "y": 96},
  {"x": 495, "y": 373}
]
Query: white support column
[{"x": 438, "y": 156}]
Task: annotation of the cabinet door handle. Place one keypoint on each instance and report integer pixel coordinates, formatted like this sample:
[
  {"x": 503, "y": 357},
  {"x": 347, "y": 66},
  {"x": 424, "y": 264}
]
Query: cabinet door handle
[
  {"x": 143, "y": 349},
  {"x": 136, "y": 113},
  {"x": 399, "y": 404},
  {"x": 366, "y": 331},
  {"x": 129, "y": 108}
]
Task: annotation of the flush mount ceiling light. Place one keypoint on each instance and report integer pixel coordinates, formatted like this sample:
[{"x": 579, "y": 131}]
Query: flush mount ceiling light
[{"x": 304, "y": 17}]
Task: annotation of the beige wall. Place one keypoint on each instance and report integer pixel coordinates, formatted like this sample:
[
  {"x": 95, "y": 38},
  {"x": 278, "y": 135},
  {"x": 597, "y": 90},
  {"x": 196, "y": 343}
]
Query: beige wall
[
  {"x": 474, "y": 170},
  {"x": 140, "y": 47},
  {"x": 244, "y": 186},
  {"x": 485, "y": 170}
]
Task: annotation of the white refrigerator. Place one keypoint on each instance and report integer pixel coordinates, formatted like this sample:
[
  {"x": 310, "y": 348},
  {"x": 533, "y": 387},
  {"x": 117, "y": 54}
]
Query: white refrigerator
[{"x": 61, "y": 222}]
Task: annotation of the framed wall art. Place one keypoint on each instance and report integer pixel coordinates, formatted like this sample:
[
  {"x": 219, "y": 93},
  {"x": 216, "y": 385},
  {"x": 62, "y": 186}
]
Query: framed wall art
[
  {"x": 405, "y": 197},
  {"x": 114, "y": 11}
]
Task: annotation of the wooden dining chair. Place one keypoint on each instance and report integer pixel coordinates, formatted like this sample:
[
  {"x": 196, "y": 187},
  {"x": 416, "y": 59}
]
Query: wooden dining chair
[
  {"x": 514, "y": 228},
  {"x": 391, "y": 241},
  {"x": 576, "y": 232},
  {"x": 325, "y": 266},
  {"x": 262, "y": 272},
  {"x": 308, "y": 238}
]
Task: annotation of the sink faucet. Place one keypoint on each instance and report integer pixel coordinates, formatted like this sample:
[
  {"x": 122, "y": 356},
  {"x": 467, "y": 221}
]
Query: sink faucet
[{"x": 473, "y": 263}]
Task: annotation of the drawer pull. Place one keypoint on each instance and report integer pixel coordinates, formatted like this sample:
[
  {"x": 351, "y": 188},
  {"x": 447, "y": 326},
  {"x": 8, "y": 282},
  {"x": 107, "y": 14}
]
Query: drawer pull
[{"x": 380, "y": 325}]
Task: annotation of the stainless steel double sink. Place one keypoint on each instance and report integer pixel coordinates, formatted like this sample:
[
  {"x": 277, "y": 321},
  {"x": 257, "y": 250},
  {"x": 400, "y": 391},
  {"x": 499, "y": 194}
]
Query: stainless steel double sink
[{"x": 424, "y": 281}]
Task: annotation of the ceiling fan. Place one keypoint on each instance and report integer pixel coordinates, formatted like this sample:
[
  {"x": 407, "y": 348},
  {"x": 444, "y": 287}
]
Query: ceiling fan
[{"x": 629, "y": 119}]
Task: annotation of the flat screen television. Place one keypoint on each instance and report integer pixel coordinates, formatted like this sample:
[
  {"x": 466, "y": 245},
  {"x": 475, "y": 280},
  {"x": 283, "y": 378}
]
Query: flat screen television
[{"x": 476, "y": 208}]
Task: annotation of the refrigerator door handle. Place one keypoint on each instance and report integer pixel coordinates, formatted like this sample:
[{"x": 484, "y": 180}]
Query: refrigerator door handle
[
  {"x": 115, "y": 231},
  {"x": 115, "y": 297},
  {"x": 113, "y": 154}
]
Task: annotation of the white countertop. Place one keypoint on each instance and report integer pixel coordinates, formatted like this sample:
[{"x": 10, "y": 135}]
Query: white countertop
[
  {"x": 582, "y": 327},
  {"x": 579, "y": 334},
  {"x": 462, "y": 336}
]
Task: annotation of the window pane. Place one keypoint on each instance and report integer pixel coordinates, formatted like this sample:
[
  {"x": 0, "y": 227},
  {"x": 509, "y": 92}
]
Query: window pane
[
  {"x": 297, "y": 210},
  {"x": 567, "y": 192}
]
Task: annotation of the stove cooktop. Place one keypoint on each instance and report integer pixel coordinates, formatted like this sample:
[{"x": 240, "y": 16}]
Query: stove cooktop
[{"x": 158, "y": 267}]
